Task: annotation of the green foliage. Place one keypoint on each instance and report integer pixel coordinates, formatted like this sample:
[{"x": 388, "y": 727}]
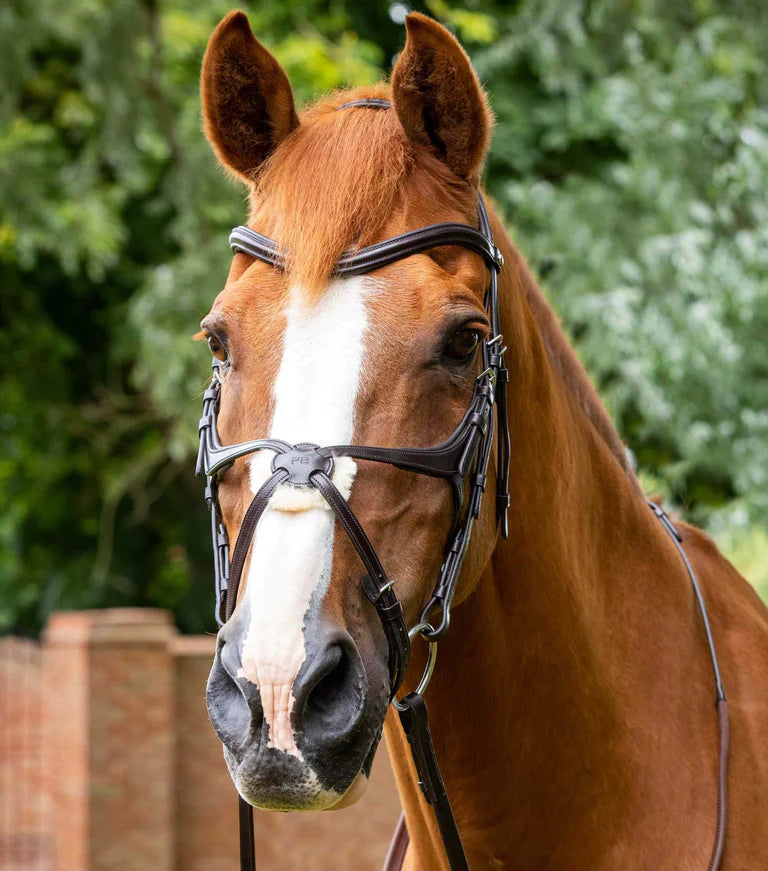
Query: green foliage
[
  {"x": 113, "y": 229},
  {"x": 747, "y": 548},
  {"x": 630, "y": 158}
]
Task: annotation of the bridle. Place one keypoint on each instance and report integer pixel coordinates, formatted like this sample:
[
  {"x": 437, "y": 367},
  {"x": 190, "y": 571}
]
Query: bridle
[{"x": 462, "y": 460}]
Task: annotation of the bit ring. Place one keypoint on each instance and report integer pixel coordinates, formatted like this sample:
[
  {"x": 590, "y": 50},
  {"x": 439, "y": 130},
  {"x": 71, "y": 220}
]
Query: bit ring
[{"x": 429, "y": 668}]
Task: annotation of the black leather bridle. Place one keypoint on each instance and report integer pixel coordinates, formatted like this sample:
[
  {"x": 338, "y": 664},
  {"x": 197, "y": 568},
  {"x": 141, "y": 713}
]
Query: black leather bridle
[{"x": 462, "y": 460}]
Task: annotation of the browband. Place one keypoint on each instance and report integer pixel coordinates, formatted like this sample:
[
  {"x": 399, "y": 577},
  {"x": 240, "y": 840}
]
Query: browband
[
  {"x": 243, "y": 239},
  {"x": 366, "y": 103}
]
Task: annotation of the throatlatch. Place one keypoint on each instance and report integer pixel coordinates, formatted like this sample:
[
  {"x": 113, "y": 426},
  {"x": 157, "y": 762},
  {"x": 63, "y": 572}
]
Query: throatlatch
[{"x": 462, "y": 460}]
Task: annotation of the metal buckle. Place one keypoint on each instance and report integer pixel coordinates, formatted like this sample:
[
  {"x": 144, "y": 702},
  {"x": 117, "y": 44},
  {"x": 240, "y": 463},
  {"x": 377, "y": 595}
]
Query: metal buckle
[
  {"x": 383, "y": 589},
  {"x": 497, "y": 340},
  {"x": 665, "y": 519},
  {"x": 491, "y": 373}
]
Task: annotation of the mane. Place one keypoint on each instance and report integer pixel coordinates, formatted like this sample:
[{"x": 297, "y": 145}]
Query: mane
[
  {"x": 566, "y": 362},
  {"x": 336, "y": 180}
]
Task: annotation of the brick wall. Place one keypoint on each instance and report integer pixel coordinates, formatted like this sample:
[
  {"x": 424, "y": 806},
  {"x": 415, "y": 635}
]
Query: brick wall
[
  {"x": 108, "y": 762},
  {"x": 25, "y": 836}
]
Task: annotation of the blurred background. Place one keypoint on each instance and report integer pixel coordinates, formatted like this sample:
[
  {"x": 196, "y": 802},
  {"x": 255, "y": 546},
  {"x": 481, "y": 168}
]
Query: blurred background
[{"x": 630, "y": 160}]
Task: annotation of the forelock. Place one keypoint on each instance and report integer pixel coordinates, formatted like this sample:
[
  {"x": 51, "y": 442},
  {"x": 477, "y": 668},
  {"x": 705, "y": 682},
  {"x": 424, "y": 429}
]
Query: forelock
[{"x": 333, "y": 183}]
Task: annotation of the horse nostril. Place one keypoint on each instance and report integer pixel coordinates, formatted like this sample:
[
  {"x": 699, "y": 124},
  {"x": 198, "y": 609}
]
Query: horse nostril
[
  {"x": 234, "y": 706},
  {"x": 324, "y": 696},
  {"x": 330, "y": 694}
]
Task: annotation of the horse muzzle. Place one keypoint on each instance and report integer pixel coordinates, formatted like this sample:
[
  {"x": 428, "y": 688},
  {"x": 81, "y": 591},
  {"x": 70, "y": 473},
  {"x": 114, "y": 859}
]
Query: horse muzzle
[{"x": 296, "y": 743}]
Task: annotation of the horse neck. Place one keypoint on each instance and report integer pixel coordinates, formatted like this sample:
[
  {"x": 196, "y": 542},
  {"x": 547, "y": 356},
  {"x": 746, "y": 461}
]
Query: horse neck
[{"x": 546, "y": 702}]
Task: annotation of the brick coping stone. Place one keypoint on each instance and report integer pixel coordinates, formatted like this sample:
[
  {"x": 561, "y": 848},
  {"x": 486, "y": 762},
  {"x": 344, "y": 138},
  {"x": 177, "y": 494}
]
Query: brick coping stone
[
  {"x": 193, "y": 645},
  {"x": 111, "y": 625}
]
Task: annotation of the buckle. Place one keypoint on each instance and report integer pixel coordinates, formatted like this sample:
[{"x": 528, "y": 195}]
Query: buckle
[
  {"x": 665, "y": 520},
  {"x": 498, "y": 258},
  {"x": 373, "y": 592},
  {"x": 491, "y": 373}
]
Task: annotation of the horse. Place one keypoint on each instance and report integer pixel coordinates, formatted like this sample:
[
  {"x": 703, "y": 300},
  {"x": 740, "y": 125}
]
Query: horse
[{"x": 571, "y": 709}]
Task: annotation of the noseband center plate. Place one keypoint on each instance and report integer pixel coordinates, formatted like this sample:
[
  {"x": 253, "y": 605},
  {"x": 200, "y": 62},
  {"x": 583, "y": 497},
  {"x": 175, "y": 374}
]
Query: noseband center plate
[{"x": 300, "y": 462}]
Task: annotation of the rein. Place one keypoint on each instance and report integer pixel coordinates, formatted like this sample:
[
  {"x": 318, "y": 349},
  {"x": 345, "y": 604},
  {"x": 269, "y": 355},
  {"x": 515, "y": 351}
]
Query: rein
[{"x": 462, "y": 460}]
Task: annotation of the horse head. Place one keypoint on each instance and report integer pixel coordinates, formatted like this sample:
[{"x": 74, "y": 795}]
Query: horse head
[{"x": 307, "y": 356}]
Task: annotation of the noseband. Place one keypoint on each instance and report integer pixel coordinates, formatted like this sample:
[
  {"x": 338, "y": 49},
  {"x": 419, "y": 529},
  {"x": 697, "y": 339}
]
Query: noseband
[{"x": 462, "y": 460}]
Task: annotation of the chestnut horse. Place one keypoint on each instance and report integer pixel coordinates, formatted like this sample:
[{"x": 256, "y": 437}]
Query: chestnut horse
[{"x": 572, "y": 708}]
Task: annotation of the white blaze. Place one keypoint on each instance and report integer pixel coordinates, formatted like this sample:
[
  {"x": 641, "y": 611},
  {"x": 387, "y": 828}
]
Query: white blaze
[{"x": 314, "y": 393}]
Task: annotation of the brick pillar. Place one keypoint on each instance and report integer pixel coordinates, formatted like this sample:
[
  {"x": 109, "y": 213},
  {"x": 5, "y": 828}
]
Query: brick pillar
[{"x": 110, "y": 739}]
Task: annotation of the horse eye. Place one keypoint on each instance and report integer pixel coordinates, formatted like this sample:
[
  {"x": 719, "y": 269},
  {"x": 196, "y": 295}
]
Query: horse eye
[
  {"x": 217, "y": 349},
  {"x": 462, "y": 345}
]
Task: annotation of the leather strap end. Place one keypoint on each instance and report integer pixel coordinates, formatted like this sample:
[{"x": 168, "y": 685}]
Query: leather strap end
[
  {"x": 502, "y": 512},
  {"x": 416, "y": 727}
]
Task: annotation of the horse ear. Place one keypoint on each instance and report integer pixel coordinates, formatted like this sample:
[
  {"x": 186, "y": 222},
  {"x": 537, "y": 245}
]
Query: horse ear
[
  {"x": 438, "y": 97},
  {"x": 247, "y": 100}
]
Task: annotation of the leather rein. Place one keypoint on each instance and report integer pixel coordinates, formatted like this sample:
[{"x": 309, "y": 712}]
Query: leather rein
[{"x": 462, "y": 460}]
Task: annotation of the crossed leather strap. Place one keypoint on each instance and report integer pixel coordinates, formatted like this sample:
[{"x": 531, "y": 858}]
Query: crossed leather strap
[{"x": 462, "y": 460}]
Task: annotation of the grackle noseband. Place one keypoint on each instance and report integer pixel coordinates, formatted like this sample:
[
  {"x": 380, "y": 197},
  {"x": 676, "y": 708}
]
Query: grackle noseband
[{"x": 462, "y": 460}]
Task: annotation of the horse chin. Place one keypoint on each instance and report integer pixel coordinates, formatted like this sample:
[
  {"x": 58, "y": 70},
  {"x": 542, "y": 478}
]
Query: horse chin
[
  {"x": 273, "y": 780},
  {"x": 353, "y": 794},
  {"x": 276, "y": 781}
]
